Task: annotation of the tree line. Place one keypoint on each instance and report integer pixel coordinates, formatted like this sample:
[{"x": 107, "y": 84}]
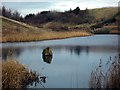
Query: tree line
[
  {"x": 12, "y": 14},
  {"x": 75, "y": 16}
]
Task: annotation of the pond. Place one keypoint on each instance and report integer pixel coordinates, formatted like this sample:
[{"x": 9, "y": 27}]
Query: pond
[{"x": 72, "y": 61}]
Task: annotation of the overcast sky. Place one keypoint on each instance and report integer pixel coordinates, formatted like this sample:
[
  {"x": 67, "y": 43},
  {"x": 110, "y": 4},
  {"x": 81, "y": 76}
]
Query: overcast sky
[{"x": 34, "y": 6}]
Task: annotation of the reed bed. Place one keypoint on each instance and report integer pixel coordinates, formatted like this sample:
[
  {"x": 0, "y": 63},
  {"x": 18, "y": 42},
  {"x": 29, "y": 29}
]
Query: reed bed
[
  {"x": 16, "y": 75},
  {"x": 109, "y": 78},
  {"x": 24, "y": 37}
]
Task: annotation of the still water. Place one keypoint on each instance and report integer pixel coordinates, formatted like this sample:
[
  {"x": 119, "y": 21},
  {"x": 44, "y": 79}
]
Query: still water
[{"x": 72, "y": 61}]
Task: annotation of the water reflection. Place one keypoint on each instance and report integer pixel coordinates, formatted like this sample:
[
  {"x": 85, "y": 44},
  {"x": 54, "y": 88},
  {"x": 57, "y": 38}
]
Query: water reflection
[
  {"x": 8, "y": 53},
  {"x": 78, "y": 49},
  {"x": 15, "y": 52}
]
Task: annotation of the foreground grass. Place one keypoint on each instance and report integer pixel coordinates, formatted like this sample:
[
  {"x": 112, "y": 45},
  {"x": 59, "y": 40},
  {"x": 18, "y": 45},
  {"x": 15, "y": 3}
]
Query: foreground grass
[
  {"x": 16, "y": 75},
  {"x": 106, "y": 79}
]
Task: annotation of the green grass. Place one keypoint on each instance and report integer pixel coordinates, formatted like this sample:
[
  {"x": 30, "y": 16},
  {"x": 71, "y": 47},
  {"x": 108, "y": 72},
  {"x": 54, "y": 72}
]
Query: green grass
[{"x": 104, "y": 13}]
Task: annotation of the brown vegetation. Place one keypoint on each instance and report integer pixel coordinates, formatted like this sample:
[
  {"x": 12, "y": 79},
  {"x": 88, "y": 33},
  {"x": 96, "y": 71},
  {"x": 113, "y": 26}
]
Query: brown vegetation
[
  {"x": 16, "y": 75},
  {"x": 115, "y": 32},
  {"x": 106, "y": 79},
  {"x": 42, "y": 36}
]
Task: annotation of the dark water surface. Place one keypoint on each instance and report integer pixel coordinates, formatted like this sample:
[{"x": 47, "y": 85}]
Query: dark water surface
[{"x": 72, "y": 61}]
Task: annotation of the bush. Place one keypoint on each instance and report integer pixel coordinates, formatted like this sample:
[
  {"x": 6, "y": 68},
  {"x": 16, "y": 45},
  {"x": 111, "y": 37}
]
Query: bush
[{"x": 102, "y": 31}]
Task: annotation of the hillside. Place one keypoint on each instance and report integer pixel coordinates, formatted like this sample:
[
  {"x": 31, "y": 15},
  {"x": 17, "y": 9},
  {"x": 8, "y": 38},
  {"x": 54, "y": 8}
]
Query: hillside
[
  {"x": 15, "y": 31},
  {"x": 105, "y": 21},
  {"x": 11, "y": 26},
  {"x": 104, "y": 13},
  {"x": 75, "y": 16}
]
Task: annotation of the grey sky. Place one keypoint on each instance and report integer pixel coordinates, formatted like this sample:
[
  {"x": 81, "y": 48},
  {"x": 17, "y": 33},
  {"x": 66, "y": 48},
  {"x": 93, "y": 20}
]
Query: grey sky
[{"x": 34, "y": 6}]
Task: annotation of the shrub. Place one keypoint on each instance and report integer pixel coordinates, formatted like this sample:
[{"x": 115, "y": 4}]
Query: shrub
[{"x": 102, "y": 31}]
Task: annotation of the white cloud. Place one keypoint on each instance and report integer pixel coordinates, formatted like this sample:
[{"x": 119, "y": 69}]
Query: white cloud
[
  {"x": 60, "y": 5},
  {"x": 83, "y": 4}
]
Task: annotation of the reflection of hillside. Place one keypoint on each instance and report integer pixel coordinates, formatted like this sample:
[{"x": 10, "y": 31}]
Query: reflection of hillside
[
  {"x": 96, "y": 49},
  {"x": 87, "y": 49},
  {"x": 16, "y": 51}
]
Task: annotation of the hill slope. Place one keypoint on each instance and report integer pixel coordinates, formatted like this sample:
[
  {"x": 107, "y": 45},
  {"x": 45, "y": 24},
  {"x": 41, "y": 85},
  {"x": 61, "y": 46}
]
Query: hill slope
[
  {"x": 104, "y": 13},
  {"x": 13, "y": 26},
  {"x": 15, "y": 31}
]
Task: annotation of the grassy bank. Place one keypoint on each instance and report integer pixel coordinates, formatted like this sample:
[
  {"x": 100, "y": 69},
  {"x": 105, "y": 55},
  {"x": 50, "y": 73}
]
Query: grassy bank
[
  {"x": 42, "y": 36},
  {"x": 16, "y": 75}
]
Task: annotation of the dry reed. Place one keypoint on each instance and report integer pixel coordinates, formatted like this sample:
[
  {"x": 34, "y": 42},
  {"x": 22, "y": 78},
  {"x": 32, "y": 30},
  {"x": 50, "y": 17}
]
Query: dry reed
[
  {"x": 16, "y": 75},
  {"x": 106, "y": 79},
  {"x": 24, "y": 37}
]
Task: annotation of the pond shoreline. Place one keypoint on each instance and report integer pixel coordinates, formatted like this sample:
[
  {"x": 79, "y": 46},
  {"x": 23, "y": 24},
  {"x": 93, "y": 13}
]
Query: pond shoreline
[
  {"x": 55, "y": 38},
  {"x": 51, "y": 38}
]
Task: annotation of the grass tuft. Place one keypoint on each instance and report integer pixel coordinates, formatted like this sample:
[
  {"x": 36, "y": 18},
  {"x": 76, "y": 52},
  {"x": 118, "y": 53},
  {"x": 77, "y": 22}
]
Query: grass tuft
[{"x": 16, "y": 75}]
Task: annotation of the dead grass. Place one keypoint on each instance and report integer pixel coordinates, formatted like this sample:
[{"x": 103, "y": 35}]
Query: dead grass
[
  {"x": 109, "y": 78},
  {"x": 115, "y": 32},
  {"x": 16, "y": 75},
  {"x": 22, "y": 37}
]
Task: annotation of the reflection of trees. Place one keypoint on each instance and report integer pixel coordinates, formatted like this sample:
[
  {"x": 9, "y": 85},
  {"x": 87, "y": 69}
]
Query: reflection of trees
[
  {"x": 78, "y": 49},
  {"x": 10, "y": 52},
  {"x": 73, "y": 49},
  {"x": 87, "y": 50}
]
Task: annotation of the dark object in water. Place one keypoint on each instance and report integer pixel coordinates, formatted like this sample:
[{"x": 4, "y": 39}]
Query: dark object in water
[
  {"x": 47, "y": 51},
  {"x": 47, "y": 55},
  {"x": 43, "y": 79},
  {"x": 47, "y": 58}
]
